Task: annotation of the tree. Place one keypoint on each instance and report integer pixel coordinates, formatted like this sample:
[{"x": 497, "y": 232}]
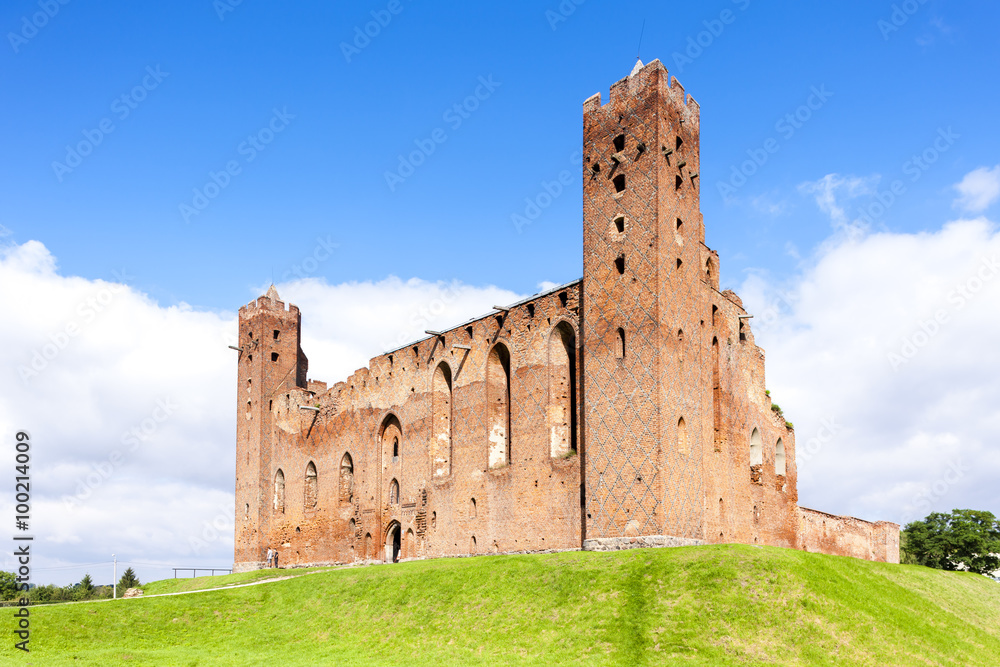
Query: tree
[
  {"x": 128, "y": 580},
  {"x": 8, "y": 586},
  {"x": 86, "y": 586},
  {"x": 963, "y": 540}
]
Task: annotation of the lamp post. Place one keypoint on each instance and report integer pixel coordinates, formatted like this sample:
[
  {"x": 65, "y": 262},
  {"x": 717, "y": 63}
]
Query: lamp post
[{"x": 114, "y": 582}]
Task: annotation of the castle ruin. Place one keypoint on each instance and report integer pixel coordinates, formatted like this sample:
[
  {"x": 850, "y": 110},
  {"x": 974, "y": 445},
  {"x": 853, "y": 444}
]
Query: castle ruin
[{"x": 624, "y": 409}]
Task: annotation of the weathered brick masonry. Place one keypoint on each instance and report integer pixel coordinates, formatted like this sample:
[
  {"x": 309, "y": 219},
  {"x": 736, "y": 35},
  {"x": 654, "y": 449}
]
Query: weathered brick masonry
[{"x": 624, "y": 409}]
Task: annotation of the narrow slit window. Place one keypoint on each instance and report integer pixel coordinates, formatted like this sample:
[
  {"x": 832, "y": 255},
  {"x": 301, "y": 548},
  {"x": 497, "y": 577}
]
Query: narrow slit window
[
  {"x": 620, "y": 143},
  {"x": 678, "y": 181},
  {"x": 274, "y": 356},
  {"x": 756, "y": 449},
  {"x": 679, "y": 224},
  {"x": 679, "y": 263},
  {"x": 498, "y": 406},
  {"x": 531, "y": 310},
  {"x": 562, "y": 412},
  {"x": 619, "y": 182},
  {"x": 678, "y": 143},
  {"x": 346, "y": 479},
  {"x": 311, "y": 495},
  {"x": 279, "y": 492},
  {"x": 620, "y": 223},
  {"x": 276, "y": 333},
  {"x": 620, "y": 343},
  {"x": 563, "y": 299},
  {"x": 620, "y": 264}
]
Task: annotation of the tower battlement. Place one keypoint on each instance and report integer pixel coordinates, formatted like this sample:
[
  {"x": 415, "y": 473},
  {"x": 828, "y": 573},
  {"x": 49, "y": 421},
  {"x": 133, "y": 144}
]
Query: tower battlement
[
  {"x": 652, "y": 73},
  {"x": 268, "y": 302}
]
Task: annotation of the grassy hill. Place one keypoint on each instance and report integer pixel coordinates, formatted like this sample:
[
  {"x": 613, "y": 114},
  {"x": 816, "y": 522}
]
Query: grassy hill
[{"x": 720, "y": 605}]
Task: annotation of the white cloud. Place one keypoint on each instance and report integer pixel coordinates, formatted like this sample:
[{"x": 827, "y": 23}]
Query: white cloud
[
  {"x": 889, "y": 339},
  {"x": 769, "y": 204},
  {"x": 108, "y": 360},
  {"x": 344, "y": 326},
  {"x": 978, "y": 190},
  {"x": 130, "y": 404},
  {"x": 833, "y": 192}
]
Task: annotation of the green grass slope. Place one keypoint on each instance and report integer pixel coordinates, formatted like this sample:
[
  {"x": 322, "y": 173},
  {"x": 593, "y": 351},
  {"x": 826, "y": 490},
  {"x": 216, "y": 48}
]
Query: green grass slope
[{"x": 719, "y": 605}]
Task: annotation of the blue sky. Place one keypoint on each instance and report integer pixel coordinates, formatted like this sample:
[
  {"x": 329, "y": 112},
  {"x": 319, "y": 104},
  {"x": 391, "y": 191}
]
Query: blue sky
[
  {"x": 860, "y": 232},
  {"x": 324, "y": 175}
]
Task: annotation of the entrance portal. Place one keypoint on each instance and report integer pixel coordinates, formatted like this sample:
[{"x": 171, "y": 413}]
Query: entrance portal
[{"x": 393, "y": 543}]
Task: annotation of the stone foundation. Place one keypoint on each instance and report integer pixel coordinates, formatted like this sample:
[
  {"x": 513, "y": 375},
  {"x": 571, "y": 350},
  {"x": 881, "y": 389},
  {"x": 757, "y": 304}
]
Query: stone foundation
[{"x": 643, "y": 541}]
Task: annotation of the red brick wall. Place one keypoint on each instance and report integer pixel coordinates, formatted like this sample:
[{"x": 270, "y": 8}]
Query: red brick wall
[
  {"x": 536, "y": 428},
  {"x": 259, "y": 376},
  {"x": 820, "y": 532},
  {"x": 642, "y": 478},
  {"x": 531, "y": 503}
]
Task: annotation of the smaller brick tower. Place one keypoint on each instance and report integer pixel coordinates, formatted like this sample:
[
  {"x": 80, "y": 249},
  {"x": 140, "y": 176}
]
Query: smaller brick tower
[{"x": 271, "y": 360}]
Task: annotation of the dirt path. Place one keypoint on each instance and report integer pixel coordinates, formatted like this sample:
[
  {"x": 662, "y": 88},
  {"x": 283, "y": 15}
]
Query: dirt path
[{"x": 200, "y": 590}]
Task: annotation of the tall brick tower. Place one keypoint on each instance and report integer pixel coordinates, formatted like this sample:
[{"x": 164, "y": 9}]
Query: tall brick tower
[
  {"x": 271, "y": 360},
  {"x": 643, "y": 244}
]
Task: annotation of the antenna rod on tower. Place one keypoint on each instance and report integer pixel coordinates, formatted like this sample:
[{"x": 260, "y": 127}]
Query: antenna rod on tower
[{"x": 638, "y": 49}]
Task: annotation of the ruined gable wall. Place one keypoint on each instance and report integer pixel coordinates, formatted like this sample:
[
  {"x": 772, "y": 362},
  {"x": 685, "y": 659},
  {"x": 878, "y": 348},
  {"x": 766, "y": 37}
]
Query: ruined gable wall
[
  {"x": 531, "y": 504},
  {"x": 745, "y": 502}
]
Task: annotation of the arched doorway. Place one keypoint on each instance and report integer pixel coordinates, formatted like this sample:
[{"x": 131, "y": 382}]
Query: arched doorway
[{"x": 393, "y": 543}]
